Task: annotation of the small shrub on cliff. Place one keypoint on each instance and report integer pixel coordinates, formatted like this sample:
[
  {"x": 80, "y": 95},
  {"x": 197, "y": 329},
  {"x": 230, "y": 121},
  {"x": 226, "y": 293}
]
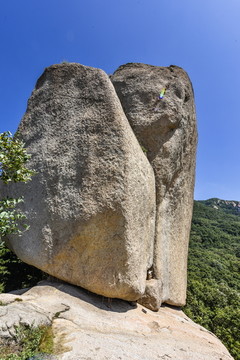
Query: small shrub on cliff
[
  {"x": 13, "y": 158},
  {"x": 15, "y": 274}
]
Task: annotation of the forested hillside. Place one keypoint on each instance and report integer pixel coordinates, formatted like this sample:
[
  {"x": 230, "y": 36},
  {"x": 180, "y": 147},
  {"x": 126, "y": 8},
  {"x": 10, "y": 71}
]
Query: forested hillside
[
  {"x": 213, "y": 270},
  {"x": 213, "y": 275}
]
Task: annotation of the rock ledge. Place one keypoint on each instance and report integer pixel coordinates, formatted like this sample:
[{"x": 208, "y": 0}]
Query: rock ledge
[{"x": 94, "y": 328}]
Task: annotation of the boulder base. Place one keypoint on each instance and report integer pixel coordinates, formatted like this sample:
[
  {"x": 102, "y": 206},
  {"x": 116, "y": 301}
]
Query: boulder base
[{"x": 87, "y": 326}]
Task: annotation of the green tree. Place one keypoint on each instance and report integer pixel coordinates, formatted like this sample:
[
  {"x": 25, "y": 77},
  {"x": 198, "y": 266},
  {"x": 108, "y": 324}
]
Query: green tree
[
  {"x": 13, "y": 159},
  {"x": 214, "y": 271},
  {"x": 14, "y": 274}
]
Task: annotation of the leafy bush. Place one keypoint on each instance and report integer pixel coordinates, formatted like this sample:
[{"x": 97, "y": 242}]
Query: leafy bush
[
  {"x": 15, "y": 274},
  {"x": 13, "y": 157}
]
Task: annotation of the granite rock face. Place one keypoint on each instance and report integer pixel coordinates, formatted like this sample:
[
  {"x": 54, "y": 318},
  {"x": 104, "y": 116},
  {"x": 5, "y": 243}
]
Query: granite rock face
[
  {"x": 166, "y": 128},
  {"x": 103, "y": 215},
  {"x": 86, "y": 327},
  {"x": 91, "y": 205}
]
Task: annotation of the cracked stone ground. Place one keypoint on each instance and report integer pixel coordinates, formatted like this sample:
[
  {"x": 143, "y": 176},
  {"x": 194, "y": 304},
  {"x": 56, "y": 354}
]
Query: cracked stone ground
[{"x": 88, "y": 327}]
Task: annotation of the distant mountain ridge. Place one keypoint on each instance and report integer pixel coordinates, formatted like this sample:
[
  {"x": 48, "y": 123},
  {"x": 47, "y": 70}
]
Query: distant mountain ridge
[{"x": 228, "y": 206}]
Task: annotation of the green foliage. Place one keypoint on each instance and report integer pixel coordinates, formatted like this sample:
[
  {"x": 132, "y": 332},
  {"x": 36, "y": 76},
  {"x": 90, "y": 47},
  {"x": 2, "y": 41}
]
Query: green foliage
[
  {"x": 213, "y": 298},
  {"x": 15, "y": 274},
  {"x": 144, "y": 149},
  {"x": 11, "y": 218},
  {"x": 27, "y": 342},
  {"x": 13, "y": 157}
]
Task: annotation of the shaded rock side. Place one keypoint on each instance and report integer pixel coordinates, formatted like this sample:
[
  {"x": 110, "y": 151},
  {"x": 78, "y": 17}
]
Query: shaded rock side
[
  {"x": 91, "y": 204},
  {"x": 166, "y": 128},
  {"x": 86, "y": 326}
]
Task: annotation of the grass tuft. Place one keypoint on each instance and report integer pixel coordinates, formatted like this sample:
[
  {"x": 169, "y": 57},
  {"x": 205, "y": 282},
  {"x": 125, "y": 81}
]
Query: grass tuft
[{"x": 27, "y": 342}]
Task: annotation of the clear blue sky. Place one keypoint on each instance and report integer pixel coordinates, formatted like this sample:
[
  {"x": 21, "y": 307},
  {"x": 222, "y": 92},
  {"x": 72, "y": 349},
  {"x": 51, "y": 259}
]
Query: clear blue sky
[{"x": 202, "y": 36}]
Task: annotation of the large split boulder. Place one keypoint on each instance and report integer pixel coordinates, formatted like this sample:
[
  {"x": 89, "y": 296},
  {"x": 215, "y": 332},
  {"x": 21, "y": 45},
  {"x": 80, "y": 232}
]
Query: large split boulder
[
  {"x": 91, "y": 204},
  {"x": 166, "y": 128}
]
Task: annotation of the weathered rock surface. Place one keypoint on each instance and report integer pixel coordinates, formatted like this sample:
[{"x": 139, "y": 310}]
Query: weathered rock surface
[
  {"x": 17, "y": 313},
  {"x": 91, "y": 205},
  {"x": 86, "y": 326},
  {"x": 166, "y": 128}
]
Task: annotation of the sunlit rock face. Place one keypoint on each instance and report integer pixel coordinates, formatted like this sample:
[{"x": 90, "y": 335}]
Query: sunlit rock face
[
  {"x": 110, "y": 205},
  {"x": 159, "y": 105},
  {"x": 91, "y": 204},
  {"x": 85, "y": 324}
]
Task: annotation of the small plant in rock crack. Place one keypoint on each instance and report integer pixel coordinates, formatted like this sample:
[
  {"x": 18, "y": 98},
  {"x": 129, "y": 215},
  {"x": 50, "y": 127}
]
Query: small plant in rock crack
[{"x": 144, "y": 149}]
